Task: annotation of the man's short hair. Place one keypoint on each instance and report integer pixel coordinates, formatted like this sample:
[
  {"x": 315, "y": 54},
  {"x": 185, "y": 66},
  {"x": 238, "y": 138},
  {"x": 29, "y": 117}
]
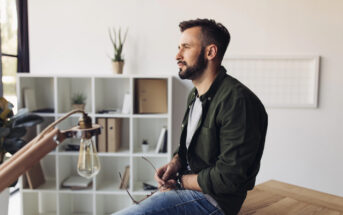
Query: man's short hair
[{"x": 213, "y": 33}]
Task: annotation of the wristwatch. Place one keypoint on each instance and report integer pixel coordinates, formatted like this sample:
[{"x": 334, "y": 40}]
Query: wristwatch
[{"x": 179, "y": 182}]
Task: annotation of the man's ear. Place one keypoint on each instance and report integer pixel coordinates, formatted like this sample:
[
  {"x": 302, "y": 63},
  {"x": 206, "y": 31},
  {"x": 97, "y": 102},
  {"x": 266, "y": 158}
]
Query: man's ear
[{"x": 211, "y": 52}]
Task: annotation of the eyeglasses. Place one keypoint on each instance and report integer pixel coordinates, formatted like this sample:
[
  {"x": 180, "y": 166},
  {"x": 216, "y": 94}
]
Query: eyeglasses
[{"x": 147, "y": 196}]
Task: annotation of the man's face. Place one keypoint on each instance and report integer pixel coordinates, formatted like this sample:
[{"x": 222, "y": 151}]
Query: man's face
[{"x": 191, "y": 56}]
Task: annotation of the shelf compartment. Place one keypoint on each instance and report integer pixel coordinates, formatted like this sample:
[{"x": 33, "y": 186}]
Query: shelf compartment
[
  {"x": 75, "y": 203},
  {"x": 108, "y": 204},
  {"x": 43, "y": 92},
  {"x": 39, "y": 203},
  {"x": 65, "y": 125},
  {"x": 68, "y": 167},
  {"x": 108, "y": 138},
  {"x": 33, "y": 131},
  {"x": 151, "y": 95},
  {"x": 48, "y": 164},
  {"x": 108, "y": 98},
  {"x": 108, "y": 179},
  {"x": 144, "y": 172},
  {"x": 67, "y": 87},
  {"x": 147, "y": 129}
]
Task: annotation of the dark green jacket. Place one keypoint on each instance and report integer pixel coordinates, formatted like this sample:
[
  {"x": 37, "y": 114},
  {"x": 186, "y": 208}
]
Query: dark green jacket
[{"x": 227, "y": 145}]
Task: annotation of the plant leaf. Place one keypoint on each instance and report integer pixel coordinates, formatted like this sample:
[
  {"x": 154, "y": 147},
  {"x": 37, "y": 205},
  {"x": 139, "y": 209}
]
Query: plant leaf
[
  {"x": 27, "y": 120},
  {"x": 115, "y": 39},
  {"x": 111, "y": 37},
  {"x": 119, "y": 35},
  {"x": 17, "y": 132},
  {"x": 125, "y": 36},
  {"x": 12, "y": 145},
  {"x": 21, "y": 111},
  {"x": 4, "y": 131}
]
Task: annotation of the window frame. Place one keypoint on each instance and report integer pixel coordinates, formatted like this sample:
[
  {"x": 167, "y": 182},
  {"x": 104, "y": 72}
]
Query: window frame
[{"x": 23, "y": 57}]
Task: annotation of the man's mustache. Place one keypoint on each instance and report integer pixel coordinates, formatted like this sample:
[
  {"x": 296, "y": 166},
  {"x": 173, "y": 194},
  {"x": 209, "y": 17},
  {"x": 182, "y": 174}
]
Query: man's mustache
[{"x": 182, "y": 62}]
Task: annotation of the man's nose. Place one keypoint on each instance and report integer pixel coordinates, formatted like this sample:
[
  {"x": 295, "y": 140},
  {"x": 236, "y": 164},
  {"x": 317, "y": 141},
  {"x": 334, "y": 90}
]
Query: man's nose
[{"x": 178, "y": 56}]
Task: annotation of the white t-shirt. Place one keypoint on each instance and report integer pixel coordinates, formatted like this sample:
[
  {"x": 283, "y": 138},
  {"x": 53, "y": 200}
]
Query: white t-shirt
[{"x": 194, "y": 115}]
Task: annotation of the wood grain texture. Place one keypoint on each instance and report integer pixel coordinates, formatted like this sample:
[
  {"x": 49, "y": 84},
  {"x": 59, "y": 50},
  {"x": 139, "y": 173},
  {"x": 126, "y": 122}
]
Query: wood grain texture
[{"x": 274, "y": 197}]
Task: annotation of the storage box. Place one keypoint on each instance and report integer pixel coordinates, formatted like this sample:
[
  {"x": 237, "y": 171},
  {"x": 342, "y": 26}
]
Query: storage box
[
  {"x": 151, "y": 96},
  {"x": 114, "y": 134}
]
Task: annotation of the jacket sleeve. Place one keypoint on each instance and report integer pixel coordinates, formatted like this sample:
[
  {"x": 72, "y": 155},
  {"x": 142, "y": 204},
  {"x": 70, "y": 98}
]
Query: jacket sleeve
[{"x": 239, "y": 141}]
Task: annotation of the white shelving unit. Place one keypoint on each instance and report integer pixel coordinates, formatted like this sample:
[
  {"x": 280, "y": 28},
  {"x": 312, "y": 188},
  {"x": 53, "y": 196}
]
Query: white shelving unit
[{"x": 104, "y": 196}]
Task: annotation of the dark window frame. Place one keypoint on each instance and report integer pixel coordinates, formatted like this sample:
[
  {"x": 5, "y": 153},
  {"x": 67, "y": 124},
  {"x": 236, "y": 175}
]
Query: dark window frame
[{"x": 23, "y": 37}]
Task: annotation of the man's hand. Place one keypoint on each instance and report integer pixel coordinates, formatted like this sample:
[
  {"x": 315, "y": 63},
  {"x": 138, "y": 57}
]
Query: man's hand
[{"x": 166, "y": 175}]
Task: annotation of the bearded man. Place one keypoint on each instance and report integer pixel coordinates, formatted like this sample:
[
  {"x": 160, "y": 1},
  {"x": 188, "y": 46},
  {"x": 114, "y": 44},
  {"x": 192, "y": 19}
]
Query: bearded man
[{"x": 223, "y": 133}]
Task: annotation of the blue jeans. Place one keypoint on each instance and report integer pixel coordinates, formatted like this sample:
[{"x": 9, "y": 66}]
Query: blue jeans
[{"x": 175, "y": 202}]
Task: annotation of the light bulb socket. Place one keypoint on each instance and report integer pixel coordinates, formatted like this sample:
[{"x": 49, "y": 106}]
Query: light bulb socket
[{"x": 85, "y": 121}]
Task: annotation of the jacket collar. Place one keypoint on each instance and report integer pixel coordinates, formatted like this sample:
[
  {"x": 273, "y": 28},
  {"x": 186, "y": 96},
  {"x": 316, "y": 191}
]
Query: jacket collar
[{"x": 213, "y": 89}]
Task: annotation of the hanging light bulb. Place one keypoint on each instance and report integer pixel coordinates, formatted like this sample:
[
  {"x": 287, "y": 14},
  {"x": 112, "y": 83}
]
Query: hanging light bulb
[{"x": 88, "y": 164}]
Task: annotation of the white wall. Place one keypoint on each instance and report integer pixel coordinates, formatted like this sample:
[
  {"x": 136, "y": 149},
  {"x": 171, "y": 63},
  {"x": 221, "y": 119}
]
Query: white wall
[{"x": 304, "y": 146}]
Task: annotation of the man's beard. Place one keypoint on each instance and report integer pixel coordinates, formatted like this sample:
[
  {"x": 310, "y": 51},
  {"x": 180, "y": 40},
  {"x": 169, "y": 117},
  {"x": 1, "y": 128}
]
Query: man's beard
[{"x": 193, "y": 72}]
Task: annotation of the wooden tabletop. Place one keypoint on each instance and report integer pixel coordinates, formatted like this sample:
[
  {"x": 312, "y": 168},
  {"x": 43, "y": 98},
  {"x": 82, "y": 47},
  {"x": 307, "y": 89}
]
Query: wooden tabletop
[{"x": 278, "y": 198}]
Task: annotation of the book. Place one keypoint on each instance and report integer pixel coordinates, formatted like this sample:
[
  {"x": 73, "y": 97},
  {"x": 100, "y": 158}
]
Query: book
[
  {"x": 160, "y": 140},
  {"x": 125, "y": 178},
  {"x": 113, "y": 134},
  {"x": 102, "y": 137},
  {"x": 35, "y": 176},
  {"x": 76, "y": 182},
  {"x": 126, "y": 103},
  {"x": 165, "y": 143}
]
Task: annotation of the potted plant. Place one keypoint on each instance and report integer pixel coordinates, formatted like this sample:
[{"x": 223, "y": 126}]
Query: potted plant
[
  {"x": 118, "y": 44},
  {"x": 12, "y": 131},
  {"x": 78, "y": 101}
]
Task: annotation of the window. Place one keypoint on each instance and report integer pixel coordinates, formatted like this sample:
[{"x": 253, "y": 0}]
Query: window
[{"x": 14, "y": 55}]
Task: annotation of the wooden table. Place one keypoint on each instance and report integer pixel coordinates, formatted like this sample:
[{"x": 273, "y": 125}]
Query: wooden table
[{"x": 278, "y": 198}]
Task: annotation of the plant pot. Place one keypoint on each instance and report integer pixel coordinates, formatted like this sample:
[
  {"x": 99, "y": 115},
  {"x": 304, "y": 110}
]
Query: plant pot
[
  {"x": 145, "y": 148},
  {"x": 4, "y": 200},
  {"x": 118, "y": 67},
  {"x": 78, "y": 106}
]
